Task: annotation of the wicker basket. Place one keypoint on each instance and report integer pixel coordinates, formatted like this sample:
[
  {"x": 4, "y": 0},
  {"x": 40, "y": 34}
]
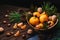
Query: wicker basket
[{"x": 40, "y": 29}]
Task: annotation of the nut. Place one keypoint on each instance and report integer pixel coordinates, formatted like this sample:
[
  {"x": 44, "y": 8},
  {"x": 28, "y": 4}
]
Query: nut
[
  {"x": 23, "y": 27},
  {"x": 54, "y": 18},
  {"x": 9, "y": 24},
  {"x": 8, "y": 34},
  {"x": 29, "y": 31},
  {"x": 50, "y": 18},
  {"x": 4, "y": 21},
  {"x": 15, "y": 26},
  {"x": 51, "y": 23},
  {"x": 39, "y": 9},
  {"x": 17, "y": 34},
  {"x": 6, "y": 15},
  {"x": 1, "y": 29},
  {"x": 37, "y": 27},
  {"x": 20, "y": 24}
]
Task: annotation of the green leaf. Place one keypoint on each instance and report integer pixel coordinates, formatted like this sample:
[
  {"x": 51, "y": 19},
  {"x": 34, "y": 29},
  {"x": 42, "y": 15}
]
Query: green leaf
[
  {"x": 50, "y": 9},
  {"x": 14, "y": 17}
]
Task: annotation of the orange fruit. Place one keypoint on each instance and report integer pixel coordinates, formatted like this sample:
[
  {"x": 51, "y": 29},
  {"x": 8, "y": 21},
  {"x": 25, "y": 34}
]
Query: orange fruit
[
  {"x": 43, "y": 17},
  {"x": 36, "y": 14},
  {"x": 34, "y": 20}
]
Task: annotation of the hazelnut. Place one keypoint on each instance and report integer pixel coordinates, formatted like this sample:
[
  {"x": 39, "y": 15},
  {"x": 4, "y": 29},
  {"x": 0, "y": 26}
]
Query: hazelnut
[
  {"x": 23, "y": 27},
  {"x": 20, "y": 24},
  {"x": 4, "y": 21},
  {"x": 29, "y": 31},
  {"x": 15, "y": 26},
  {"x": 1, "y": 29},
  {"x": 6, "y": 15},
  {"x": 17, "y": 33}
]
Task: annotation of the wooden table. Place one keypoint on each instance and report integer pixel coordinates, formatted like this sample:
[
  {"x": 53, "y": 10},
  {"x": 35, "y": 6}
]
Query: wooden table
[{"x": 5, "y": 9}]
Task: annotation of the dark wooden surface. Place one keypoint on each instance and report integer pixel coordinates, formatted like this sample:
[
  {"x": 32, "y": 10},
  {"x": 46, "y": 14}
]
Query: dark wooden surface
[{"x": 5, "y": 9}]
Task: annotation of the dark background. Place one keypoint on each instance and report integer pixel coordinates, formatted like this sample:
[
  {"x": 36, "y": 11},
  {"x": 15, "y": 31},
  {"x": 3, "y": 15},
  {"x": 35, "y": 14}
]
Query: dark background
[{"x": 27, "y": 3}]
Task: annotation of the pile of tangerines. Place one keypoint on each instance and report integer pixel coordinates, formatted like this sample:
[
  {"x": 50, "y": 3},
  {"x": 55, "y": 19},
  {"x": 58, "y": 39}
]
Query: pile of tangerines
[{"x": 40, "y": 17}]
